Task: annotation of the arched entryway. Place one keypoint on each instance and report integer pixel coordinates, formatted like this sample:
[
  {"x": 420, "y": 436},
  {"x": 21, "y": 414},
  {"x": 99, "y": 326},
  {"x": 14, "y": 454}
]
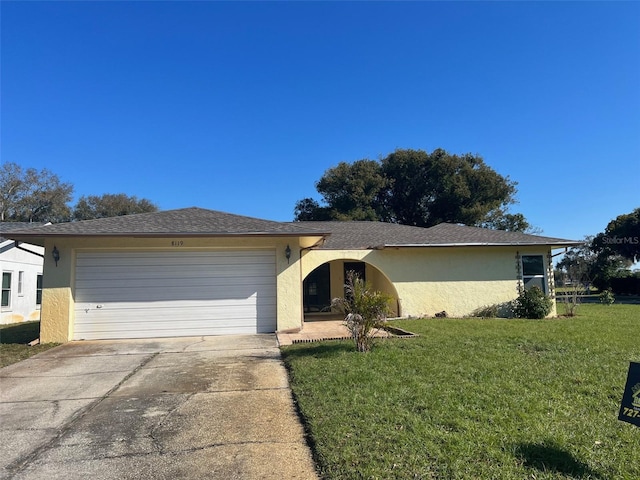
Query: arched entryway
[{"x": 326, "y": 282}]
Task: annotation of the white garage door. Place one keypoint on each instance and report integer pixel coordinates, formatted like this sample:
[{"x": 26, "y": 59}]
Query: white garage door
[{"x": 166, "y": 294}]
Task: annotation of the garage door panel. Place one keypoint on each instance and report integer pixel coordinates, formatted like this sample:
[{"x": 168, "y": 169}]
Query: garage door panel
[
  {"x": 239, "y": 326},
  {"x": 171, "y": 259},
  {"x": 172, "y": 317},
  {"x": 119, "y": 281},
  {"x": 173, "y": 308},
  {"x": 185, "y": 306},
  {"x": 172, "y": 293},
  {"x": 194, "y": 330},
  {"x": 156, "y": 294},
  {"x": 169, "y": 271}
]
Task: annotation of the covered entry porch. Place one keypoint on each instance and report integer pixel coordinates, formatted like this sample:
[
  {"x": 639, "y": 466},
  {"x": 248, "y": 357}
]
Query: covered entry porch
[{"x": 327, "y": 281}]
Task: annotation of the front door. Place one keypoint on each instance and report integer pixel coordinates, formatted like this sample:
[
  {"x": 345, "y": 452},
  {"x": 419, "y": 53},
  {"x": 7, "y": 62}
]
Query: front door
[{"x": 317, "y": 290}]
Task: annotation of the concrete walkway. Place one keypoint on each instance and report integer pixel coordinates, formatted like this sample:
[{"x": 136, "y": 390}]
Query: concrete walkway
[
  {"x": 210, "y": 407},
  {"x": 321, "y": 330}
]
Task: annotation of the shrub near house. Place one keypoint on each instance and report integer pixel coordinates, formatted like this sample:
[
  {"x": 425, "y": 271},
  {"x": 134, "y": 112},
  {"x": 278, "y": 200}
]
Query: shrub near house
[{"x": 532, "y": 303}]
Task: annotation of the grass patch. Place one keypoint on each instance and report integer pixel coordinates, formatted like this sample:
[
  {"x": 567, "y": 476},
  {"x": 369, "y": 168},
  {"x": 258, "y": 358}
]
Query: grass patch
[
  {"x": 14, "y": 339},
  {"x": 474, "y": 398}
]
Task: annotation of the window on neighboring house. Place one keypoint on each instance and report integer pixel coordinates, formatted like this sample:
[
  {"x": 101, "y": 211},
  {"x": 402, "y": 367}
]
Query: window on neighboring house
[
  {"x": 20, "y": 280},
  {"x": 6, "y": 289},
  {"x": 39, "y": 290},
  {"x": 533, "y": 272}
]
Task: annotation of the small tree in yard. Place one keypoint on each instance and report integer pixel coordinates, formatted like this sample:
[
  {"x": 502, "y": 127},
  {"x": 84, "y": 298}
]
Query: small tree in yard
[
  {"x": 577, "y": 267},
  {"x": 365, "y": 310},
  {"x": 578, "y": 277}
]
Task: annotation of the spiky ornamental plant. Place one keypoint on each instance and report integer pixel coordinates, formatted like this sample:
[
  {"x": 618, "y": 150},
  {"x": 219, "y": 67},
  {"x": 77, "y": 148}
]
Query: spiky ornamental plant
[{"x": 365, "y": 310}]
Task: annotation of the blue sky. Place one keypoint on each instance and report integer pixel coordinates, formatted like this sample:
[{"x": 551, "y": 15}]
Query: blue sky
[{"x": 242, "y": 106}]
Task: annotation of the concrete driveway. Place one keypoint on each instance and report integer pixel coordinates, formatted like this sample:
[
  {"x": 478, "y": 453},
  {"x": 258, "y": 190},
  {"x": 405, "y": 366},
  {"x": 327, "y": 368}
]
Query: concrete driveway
[{"x": 210, "y": 407}]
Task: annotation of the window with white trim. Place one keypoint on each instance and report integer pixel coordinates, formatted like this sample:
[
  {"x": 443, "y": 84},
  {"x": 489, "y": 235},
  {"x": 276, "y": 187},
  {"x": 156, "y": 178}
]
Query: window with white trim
[
  {"x": 39, "y": 289},
  {"x": 20, "y": 282},
  {"x": 533, "y": 272},
  {"x": 6, "y": 289}
]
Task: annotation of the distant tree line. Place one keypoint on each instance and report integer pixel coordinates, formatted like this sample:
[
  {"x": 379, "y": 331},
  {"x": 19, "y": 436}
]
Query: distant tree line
[
  {"x": 604, "y": 260},
  {"x": 30, "y": 195}
]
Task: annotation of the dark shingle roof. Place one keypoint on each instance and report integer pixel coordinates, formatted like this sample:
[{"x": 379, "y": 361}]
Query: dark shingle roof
[
  {"x": 339, "y": 235},
  {"x": 367, "y": 235},
  {"x": 184, "y": 222},
  {"x": 6, "y": 227},
  {"x": 370, "y": 235},
  {"x": 449, "y": 233}
]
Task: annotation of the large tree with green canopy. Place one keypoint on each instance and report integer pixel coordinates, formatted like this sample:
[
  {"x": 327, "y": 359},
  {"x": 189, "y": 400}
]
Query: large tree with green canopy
[
  {"x": 413, "y": 187},
  {"x": 30, "y": 195},
  {"x": 621, "y": 237}
]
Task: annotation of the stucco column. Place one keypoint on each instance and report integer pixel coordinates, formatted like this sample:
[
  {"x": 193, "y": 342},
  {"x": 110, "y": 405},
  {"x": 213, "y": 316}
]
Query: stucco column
[
  {"x": 57, "y": 312},
  {"x": 56, "y": 315},
  {"x": 289, "y": 287}
]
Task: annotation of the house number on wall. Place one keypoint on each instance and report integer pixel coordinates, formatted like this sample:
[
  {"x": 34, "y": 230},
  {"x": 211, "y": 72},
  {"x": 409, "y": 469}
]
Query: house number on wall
[{"x": 177, "y": 243}]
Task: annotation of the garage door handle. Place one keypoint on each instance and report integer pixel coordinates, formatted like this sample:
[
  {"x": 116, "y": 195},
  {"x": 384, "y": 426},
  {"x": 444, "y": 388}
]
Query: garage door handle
[{"x": 98, "y": 306}]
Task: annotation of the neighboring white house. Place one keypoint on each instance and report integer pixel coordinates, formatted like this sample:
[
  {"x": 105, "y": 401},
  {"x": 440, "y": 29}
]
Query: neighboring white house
[{"x": 21, "y": 267}]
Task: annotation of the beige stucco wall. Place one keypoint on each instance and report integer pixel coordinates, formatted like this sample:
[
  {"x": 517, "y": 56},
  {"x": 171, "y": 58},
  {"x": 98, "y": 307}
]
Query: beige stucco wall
[
  {"x": 59, "y": 283},
  {"x": 457, "y": 280},
  {"x": 56, "y": 322},
  {"x": 424, "y": 280}
]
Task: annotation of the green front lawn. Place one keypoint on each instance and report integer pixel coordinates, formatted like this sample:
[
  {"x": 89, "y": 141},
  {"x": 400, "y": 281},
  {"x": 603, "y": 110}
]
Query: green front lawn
[
  {"x": 14, "y": 339},
  {"x": 475, "y": 399}
]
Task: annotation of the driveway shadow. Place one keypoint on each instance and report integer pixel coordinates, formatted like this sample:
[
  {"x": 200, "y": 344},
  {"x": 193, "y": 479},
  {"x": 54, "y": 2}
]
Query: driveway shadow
[
  {"x": 549, "y": 457},
  {"x": 320, "y": 349}
]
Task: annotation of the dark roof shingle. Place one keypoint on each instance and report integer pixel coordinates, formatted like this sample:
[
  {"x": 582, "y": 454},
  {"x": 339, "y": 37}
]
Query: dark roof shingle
[
  {"x": 449, "y": 233},
  {"x": 6, "y": 227},
  {"x": 371, "y": 235},
  {"x": 346, "y": 235},
  {"x": 185, "y": 221}
]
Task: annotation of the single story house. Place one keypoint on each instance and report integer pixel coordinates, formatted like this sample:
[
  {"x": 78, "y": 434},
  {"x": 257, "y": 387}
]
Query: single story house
[
  {"x": 193, "y": 272},
  {"x": 21, "y": 266}
]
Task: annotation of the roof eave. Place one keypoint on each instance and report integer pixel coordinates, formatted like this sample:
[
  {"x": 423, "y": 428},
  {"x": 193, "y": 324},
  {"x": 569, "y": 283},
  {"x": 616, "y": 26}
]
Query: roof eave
[
  {"x": 163, "y": 235},
  {"x": 487, "y": 244}
]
